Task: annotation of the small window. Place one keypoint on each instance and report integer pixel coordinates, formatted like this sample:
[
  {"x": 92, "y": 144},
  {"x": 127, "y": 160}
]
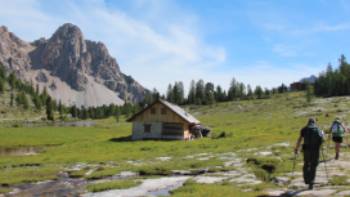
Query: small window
[
  {"x": 163, "y": 110},
  {"x": 147, "y": 128},
  {"x": 153, "y": 110}
]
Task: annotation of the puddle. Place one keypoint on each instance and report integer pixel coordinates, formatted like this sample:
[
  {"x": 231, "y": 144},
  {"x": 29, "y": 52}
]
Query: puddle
[
  {"x": 20, "y": 151},
  {"x": 60, "y": 187}
]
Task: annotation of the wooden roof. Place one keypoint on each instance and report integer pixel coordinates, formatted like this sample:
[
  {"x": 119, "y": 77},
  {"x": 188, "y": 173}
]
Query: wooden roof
[{"x": 172, "y": 107}]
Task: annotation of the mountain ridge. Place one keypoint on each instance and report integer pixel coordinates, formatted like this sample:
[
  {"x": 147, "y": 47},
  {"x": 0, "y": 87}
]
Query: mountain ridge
[{"x": 66, "y": 62}]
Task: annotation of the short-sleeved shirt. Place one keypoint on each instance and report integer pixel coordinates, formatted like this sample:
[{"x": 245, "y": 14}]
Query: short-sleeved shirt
[{"x": 312, "y": 137}]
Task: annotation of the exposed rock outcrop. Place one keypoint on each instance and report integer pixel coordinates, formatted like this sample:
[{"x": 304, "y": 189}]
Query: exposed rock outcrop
[{"x": 67, "y": 60}]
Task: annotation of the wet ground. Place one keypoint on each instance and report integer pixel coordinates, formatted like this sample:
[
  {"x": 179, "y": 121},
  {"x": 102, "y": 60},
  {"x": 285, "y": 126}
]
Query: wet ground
[{"x": 289, "y": 184}]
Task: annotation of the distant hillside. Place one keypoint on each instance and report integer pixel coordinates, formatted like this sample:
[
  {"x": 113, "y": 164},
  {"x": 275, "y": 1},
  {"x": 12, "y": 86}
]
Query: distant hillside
[
  {"x": 74, "y": 70},
  {"x": 19, "y": 101}
]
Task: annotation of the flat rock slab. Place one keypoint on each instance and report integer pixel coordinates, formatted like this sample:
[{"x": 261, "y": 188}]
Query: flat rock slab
[
  {"x": 321, "y": 192},
  {"x": 208, "y": 179},
  {"x": 274, "y": 192},
  {"x": 163, "y": 158},
  {"x": 149, "y": 187},
  {"x": 264, "y": 153},
  {"x": 233, "y": 173},
  {"x": 248, "y": 179},
  {"x": 344, "y": 193}
]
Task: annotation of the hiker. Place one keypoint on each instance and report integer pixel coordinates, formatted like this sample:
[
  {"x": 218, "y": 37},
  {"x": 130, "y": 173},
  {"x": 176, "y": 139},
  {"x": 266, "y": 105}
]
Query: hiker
[
  {"x": 313, "y": 138},
  {"x": 337, "y": 130}
]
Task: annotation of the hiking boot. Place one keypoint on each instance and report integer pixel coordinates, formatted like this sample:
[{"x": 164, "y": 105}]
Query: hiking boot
[
  {"x": 336, "y": 156},
  {"x": 311, "y": 186}
]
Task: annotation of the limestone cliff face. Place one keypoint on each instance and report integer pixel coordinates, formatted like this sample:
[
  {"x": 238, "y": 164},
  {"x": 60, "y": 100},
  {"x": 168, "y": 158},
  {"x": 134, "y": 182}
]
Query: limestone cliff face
[{"x": 68, "y": 59}]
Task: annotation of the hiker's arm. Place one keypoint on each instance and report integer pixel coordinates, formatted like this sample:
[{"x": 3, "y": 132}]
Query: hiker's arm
[{"x": 296, "y": 149}]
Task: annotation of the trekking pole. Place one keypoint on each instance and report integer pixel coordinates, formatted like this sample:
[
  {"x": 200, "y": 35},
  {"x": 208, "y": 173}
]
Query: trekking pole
[
  {"x": 325, "y": 165},
  {"x": 294, "y": 163}
]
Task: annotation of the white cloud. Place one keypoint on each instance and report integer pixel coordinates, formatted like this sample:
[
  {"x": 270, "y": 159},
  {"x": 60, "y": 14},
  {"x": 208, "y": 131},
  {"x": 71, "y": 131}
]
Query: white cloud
[
  {"x": 160, "y": 45},
  {"x": 154, "y": 53}
]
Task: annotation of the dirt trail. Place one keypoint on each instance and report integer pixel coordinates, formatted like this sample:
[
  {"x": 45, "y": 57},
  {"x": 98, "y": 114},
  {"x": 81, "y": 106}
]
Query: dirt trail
[{"x": 327, "y": 171}]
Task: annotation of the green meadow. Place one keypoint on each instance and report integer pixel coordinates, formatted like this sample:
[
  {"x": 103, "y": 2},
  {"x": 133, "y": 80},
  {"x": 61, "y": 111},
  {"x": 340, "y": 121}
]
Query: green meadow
[{"x": 236, "y": 126}]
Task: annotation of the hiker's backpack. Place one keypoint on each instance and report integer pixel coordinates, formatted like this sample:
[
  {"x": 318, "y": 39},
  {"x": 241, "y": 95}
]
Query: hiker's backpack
[
  {"x": 313, "y": 138},
  {"x": 337, "y": 130}
]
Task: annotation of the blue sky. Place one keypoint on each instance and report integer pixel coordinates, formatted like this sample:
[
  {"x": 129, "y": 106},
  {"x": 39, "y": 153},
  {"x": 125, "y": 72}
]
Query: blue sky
[{"x": 162, "y": 41}]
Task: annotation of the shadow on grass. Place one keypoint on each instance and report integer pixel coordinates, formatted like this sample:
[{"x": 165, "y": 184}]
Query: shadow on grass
[
  {"x": 286, "y": 194},
  {"x": 121, "y": 139},
  {"x": 129, "y": 139}
]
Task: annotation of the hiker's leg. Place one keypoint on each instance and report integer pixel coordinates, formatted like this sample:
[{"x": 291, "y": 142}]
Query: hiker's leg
[
  {"x": 313, "y": 165},
  {"x": 337, "y": 147},
  {"x": 337, "y": 150},
  {"x": 306, "y": 167}
]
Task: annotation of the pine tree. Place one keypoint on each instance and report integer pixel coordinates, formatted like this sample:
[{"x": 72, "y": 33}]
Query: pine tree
[
  {"x": 267, "y": 93},
  {"x": 192, "y": 93},
  {"x": 219, "y": 94},
  {"x": 12, "y": 98},
  {"x": 12, "y": 80},
  {"x": 209, "y": 94},
  {"x": 2, "y": 86},
  {"x": 84, "y": 114},
  {"x": 36, "y": 101},
  {"x": 49, "y": 109},
  {"x": 61, "y": 110},
  {"x": 258, "y": 92},
  {"x": 2, "y": 72},
  {"x": 21, "y": 100},
  {"x": 178, "y": 93},
  {"x": 74, "y": 111},
  {"x": 200, "y": 95},
  {"x": 250, "y": 94},
  {"x": 37, "y": 89},
  {"x": 25, "y": 102},
  {"x": 170, "y": 93}
]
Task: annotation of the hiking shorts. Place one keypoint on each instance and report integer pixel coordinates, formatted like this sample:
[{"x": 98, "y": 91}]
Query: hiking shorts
[{"x": 337, "y": 139}]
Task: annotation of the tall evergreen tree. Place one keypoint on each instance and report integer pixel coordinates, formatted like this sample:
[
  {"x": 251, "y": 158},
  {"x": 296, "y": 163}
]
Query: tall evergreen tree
[
  {"x": 74, "y": 111},
  {"x": 170, "y": 93},
  {"x": 219, "y": 94},
  {"x": 209, "y": 94},
  {"x": 2, "y": 72},
  {"x": 61, "y": 110},
  {"x": 12, "y": 80},
  {"x": 178, "y": 93},
  {"x": 192, "y": 93},
  {"x": 2, "y": 86},
  {"x": 37, "y": 102},
  {"x": 12, "y": 98},
  {"x": 200, "y": 94},
  {"x": 49, "y": 109},
  {"x": 258, "y": 92},
  {"x": 250, "y": 93}
]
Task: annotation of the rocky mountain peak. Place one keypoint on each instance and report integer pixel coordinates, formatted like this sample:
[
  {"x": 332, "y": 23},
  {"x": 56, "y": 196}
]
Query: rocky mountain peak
[
  {"x": 68, "y": 31},
  {"x": 68, "y": 57},
  {"x": 3, "y": 29}
]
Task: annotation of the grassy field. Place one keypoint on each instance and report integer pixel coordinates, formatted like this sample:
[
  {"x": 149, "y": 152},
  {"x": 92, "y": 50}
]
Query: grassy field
[{"x": 236, "y": 125}]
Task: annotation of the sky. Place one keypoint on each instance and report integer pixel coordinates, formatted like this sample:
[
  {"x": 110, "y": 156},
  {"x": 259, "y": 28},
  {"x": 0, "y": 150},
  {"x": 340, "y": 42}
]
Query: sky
[{"x": 157, "y": 42}]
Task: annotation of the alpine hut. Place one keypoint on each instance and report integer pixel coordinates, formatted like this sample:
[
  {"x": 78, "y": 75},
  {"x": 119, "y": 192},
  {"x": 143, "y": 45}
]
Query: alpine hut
[{"x": 162, "y": 120}]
